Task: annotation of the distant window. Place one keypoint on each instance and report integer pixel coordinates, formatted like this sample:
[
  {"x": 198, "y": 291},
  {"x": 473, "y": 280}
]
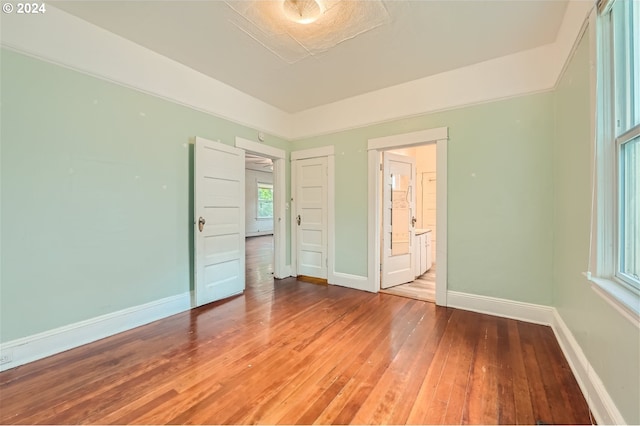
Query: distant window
[{"x": 265, "y": 201}]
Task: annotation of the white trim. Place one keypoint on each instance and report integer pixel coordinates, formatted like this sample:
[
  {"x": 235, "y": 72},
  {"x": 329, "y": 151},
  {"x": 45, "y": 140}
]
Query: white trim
[
  {"x": 522, "y": 73},
  {"x": 527, "y": 72},
  {"x": 594, "y": 391},
  {"x": 574, "y": 24},
  {"x": 280, "y": 224},
  {"x": 258, "y": 234},
  {"x": 331, "y": 218},
  {"x": 286, "y": 271},
  {"x": 51, "y": 342},
  {"x": 279, "y": 200},
  {"x": 348, "y": 280},
  {"x": 408, "y": 139},
  {"x": 63, "y": 39},
  {"x": 322, "y": 151},
  {"x": 521, "y": 311},
  {"x": 293, "y": 226},
  {"x": 260, "y": 148},
  {"x": 441, "y": 221},
  {"x": 377, "y": 145},
  {"x": 602, "y": 406},
  {"x": 622, "y": 300},
  {"x": 373, "y": 220}
]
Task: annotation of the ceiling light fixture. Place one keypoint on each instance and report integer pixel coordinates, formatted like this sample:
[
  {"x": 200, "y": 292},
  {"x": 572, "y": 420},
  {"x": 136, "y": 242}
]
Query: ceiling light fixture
[{"x": 303, "y": 11}]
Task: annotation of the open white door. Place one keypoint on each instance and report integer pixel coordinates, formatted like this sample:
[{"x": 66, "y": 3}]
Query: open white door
[
  {"x": 219, "y": 221},
  {"x": 398, "y": 219},
  {"x": 311, "y": 216}
]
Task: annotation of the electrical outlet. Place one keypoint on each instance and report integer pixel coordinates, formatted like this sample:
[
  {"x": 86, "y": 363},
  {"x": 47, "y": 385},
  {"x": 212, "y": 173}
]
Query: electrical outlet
[{"x": 6, "y": 357}]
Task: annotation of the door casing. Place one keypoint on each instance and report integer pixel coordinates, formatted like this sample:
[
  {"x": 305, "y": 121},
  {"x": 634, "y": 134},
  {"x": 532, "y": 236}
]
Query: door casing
[{"x": 440, "y": 137}]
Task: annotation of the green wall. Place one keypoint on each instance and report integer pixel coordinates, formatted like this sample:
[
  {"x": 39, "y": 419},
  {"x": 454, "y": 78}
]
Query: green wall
[
  {"x": 610, "y": 342},
  {"x": 96, "y": 195},
  {"x": 499, "y": 188}
]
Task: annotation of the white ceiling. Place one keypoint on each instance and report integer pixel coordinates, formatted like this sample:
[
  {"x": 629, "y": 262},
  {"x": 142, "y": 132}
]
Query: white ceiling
[{"x": 420, "y": 38}]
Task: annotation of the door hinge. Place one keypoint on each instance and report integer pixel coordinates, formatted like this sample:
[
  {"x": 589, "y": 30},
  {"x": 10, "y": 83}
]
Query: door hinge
[{"x": 380, "y": 167}]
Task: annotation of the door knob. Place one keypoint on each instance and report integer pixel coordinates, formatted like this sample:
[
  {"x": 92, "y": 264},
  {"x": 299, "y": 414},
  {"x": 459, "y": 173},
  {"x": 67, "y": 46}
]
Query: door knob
[
  {"x": 298, "y": 219},
  {"x": 201, "y": 223},
  {"x": 413, "y": 221}
]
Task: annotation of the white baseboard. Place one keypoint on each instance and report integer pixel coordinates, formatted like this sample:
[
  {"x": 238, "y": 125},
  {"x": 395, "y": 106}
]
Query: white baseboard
[
  {"x": 603, "y": 408},
  {"x": 38, "y": 346},
  {"x": 352, "y": 281},
  {"x": 41, "y": 345},
  {"x": 286, "y": 272},
  {"x": 599, "y": 400},
  {"x": 529, "y": 312},
  {"x": 258, "y": 234}
]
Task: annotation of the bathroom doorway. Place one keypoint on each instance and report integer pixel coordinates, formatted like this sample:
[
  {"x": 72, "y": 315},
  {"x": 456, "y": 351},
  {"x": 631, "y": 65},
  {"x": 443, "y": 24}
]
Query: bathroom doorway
[
  {"x": 439, "y": 138},
  {"x": 421, "y": 217}
]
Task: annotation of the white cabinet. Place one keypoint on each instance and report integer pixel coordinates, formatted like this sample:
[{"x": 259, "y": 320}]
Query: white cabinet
[
  {"x": 422, "y": 252},
  {"x": 429, "y": 258}
]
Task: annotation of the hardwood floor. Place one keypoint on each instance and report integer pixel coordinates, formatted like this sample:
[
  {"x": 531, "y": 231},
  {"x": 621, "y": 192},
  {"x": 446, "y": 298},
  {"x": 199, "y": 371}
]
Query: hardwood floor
[
  {"x": 297, "y": 353},
  {"x": 422, "y": 288}
]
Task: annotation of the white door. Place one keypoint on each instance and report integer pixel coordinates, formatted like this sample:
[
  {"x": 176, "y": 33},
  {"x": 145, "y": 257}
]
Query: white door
[
  {"x": 398, "y": 219},
  {"x": 311, "y": 216},
  {"x": 219, "y": 221}
]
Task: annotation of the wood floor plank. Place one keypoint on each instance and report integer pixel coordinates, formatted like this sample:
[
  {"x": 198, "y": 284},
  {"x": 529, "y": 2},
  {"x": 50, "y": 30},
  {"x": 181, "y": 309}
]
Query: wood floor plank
[
  {"x": 391, "y": 391},
  {"x": 313, "y": 384},
  {"x": 292, "y": 352},
  {"x": 541, "y": 410},
  {"x": 342, "y": 399},
  {"x": 426, "y": 402},
  {"x": 521, "y": 396}
]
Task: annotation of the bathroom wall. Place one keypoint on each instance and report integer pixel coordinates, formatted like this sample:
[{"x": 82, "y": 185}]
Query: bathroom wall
[{"x": 426, "y": 191}]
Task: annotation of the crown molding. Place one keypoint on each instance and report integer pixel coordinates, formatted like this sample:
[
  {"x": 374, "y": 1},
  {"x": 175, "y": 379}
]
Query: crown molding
[{"x": 63, "y": 39}]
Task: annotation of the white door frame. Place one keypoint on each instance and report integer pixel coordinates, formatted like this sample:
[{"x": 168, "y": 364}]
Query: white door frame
[
  {"x": 280, "y": 269},
  {"x": 325, "y": 151},
  {"x": 439, "y": 136}
]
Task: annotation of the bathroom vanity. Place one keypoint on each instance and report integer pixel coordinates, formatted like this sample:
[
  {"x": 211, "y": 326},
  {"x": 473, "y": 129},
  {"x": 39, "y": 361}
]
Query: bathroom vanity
[{"x": 423, "y": 255}]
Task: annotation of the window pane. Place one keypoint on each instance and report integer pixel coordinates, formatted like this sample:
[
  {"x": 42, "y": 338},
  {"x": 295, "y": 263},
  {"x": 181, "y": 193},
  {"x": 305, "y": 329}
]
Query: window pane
[
  {"x": 630, "y": 211},
  {"x": 635, "y": 61},
  {"x": 265, "y": 201},
  {"x": 626, "y": 47}
]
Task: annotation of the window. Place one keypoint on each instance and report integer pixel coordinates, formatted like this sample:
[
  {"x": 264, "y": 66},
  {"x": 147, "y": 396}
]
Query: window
[
  {"x": 265, "y": 201},
  {"x": 618, "y": 150}
]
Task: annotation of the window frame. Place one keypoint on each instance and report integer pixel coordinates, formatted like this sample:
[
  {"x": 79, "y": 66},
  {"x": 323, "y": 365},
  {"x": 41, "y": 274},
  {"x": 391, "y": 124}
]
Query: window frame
[
  {"x": 260, "y": 185},
  {"x": 629, "y": 136},
  {"x": 605, "y": 267}
]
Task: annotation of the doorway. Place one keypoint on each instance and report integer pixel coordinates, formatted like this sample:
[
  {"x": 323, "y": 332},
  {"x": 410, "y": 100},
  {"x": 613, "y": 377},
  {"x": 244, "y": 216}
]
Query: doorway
[
  {"x": 439, "y": 137},
  {"x": 259, "y": 218},
  {"x": 268, "y": 198},
  {"x": 312, "y": 214},
  {"x": 410, "y": 212}
]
